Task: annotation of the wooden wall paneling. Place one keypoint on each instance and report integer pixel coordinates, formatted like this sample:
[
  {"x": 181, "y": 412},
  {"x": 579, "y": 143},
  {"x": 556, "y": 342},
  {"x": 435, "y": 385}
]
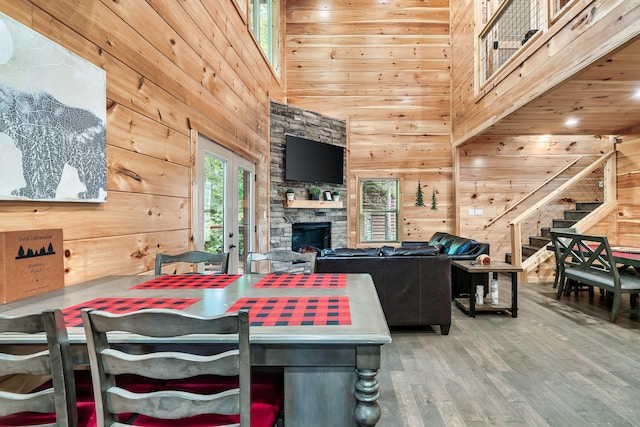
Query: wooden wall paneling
[
  {"x": 127, "y": 45},
  {"x": 20, "y": 10},
  {"x": 390, "y": 153},
  {"x": 132, "y": 131},
  {"x": 385, "y": 68},
  {"x": 124, "y": 213},
  {"x": 628, "y": 213},
  {"x": 128, "y": 171},
  {"x": 127, "y": 254}
]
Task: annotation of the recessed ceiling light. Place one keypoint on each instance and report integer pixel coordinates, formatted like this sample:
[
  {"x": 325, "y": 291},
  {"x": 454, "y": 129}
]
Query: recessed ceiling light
[
  {"x": 571, "y": 122},
  {"x": 636, "y": 95}
]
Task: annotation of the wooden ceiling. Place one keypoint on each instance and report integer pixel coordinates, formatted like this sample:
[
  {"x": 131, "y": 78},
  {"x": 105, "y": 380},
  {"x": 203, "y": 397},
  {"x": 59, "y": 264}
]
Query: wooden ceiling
[{"x": 604, "y": 99}]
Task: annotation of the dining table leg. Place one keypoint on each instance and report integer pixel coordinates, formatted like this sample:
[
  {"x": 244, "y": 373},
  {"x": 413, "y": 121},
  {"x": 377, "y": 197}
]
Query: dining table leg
[{"x": 367, "y": 411}]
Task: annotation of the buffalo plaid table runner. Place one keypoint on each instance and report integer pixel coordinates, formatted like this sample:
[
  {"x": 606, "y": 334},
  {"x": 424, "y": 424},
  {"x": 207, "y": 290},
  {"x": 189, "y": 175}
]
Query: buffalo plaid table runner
[
  {"x": 296, "y": 311},
  {"x": 189, "y": 281},
  {"x": 322, "y": 280},
  {"x": 73, "y": 318}
]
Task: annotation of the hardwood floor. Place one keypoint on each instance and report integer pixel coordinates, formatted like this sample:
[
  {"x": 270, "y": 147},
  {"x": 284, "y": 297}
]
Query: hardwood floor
[{"x": 559, "y": 363}]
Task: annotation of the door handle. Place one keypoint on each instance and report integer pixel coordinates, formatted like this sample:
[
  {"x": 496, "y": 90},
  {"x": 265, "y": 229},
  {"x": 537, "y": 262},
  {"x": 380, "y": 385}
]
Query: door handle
[{"x": 231, "y": 247}]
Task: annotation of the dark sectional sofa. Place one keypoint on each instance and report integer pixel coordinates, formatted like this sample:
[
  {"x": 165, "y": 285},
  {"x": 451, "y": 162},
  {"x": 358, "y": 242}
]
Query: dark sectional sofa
[
  {"x": 413, "y": 284},
  {"x": 414, "y": 281}
]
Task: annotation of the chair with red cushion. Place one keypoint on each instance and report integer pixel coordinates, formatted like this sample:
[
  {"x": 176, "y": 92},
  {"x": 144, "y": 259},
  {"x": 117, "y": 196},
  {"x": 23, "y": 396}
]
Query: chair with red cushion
[
  {"x": 46, "y": 403},
  {"x": 199, "y": 384}
]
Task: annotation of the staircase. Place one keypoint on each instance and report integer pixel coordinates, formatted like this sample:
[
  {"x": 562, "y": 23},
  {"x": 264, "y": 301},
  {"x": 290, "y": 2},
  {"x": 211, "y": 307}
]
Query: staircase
[{"x": 570, "y": 217}]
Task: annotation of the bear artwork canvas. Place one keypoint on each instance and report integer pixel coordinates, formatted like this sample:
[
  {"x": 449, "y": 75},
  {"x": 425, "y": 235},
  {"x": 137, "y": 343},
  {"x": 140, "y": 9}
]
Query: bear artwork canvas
[{"x": 52, "y": 120}]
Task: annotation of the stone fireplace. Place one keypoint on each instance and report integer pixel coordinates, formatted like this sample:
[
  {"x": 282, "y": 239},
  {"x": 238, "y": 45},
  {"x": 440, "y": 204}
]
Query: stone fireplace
[{"x": 286, "y": 119}]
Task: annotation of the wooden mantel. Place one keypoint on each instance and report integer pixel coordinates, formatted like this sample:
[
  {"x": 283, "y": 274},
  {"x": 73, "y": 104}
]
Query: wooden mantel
[{"x": 313, "y": 204}]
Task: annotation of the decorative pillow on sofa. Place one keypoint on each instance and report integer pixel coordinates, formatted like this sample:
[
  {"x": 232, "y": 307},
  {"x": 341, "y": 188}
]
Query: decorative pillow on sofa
[
  {"x": 460, "y": 246},
  {"x": 437, "y": 237}
]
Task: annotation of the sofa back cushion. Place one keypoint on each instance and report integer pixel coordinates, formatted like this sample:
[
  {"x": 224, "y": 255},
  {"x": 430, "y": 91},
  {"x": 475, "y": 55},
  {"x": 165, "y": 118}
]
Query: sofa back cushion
[
  {"x": 350, "y": 252},
  {"x": 423, "y": 250}
]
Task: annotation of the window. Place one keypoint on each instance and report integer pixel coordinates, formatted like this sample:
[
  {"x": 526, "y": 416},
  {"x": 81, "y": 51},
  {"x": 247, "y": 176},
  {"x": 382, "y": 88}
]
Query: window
[
  {"x": 379, "y": 210},
  {"x": 264, "y": 21}
]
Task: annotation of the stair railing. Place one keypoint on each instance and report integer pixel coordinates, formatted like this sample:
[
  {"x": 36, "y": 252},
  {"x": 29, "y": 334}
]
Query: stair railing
[
  {"x": 595, "y": 183},
  {"x": 532, "y": 192}
]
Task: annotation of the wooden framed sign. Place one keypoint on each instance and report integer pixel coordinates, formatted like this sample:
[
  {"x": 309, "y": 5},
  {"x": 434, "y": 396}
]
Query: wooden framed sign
[{"x": 31, "y": 262}]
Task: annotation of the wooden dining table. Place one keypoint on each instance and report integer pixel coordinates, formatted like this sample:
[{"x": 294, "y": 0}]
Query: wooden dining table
[
  {"x": 625, "y": 255},
  {"x": 324, "y": 330}
]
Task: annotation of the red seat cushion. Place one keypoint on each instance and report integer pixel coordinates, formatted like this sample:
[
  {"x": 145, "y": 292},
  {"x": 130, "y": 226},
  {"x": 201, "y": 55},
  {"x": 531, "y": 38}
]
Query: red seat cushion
[
  {"x": 86, "y": 417},
  {"x": 85, "y": 405},
  {"x": 266, "y": 400}
]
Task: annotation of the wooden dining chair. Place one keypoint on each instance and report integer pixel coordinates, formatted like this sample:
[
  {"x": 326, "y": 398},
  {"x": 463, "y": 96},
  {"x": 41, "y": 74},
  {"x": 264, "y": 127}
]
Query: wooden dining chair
[
  {"x": 211, "y": 386},
  {"x": 560, "y": 239},
  {"x": 194, "y": 257},
  {"x": 281, "y": 261},
  {"x": 52, "y": 402},
  {"x": 559, "y": 265}
]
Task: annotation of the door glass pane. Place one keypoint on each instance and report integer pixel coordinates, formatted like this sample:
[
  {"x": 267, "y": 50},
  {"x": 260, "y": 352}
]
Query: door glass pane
[
  {"x": 243, "y": 216},
  {"x": 213, "y": 224},
  {"x": 223, "y": 212}
]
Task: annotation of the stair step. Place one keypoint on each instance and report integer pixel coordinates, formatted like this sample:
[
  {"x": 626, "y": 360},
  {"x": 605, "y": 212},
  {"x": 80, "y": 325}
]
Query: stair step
[
  {"x": 587, "y": 206},
  {"x": 575, "y": 215},
  {"x": 571, "y": 216},
  {"x": 563, "y": 223},
  {"x": 528, "y": 250},
  {"x": 539, "y": 241}
]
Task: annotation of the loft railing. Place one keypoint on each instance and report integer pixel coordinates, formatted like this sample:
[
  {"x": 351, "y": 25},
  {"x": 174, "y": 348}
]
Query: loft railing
[
  {"x": 513, "y": 24},
  {"x": 595, "y": 183},
  {"x": 510, "y": 24}
]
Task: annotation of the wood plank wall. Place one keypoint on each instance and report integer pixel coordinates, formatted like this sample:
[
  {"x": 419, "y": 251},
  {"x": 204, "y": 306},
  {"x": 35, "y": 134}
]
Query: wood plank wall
[
  {"x": 385, "y": 68},
  {"x": 628, "y": 174},
  {"x": 172, "y": 67}
]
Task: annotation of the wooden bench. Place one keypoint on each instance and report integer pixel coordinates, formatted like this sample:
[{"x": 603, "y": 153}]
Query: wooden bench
[{"x": 588, "y": 259}]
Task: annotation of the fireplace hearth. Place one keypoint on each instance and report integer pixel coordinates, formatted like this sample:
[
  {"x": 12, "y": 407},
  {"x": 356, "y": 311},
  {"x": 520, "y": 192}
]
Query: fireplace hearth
[{"x": 314, "y": 234}]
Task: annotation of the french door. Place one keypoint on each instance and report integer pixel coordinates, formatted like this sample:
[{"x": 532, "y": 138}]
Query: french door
[{"x": 223, "y": 208}]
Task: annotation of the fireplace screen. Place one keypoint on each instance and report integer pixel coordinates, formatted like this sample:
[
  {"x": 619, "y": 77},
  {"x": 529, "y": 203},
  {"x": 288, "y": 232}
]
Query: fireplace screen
[{"x": 310, "y": 234}]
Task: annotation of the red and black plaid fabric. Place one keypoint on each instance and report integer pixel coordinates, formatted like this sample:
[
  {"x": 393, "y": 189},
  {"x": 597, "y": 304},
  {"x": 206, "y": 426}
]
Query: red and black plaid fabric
[
  {"x": 296, "y": 311},
  {"x": 322, "y": 280},
  {"x": 189, "y": 281},
  {"x": 73, "y": 318}
]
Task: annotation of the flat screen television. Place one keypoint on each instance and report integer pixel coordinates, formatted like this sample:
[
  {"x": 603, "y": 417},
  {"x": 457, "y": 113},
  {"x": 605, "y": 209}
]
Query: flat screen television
[{"x": 312, "y": 161}]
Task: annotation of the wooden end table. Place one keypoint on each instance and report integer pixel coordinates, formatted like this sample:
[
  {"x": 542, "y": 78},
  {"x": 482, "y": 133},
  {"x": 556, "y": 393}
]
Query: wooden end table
[{"x": 477, "y": 274}]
